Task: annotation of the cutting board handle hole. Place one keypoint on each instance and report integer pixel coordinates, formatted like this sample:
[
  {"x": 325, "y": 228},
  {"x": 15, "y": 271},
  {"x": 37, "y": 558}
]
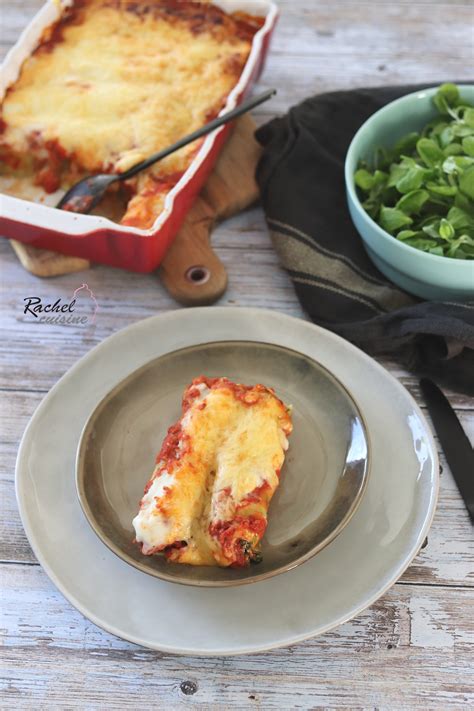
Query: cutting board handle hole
[{"x": 198, "y": 275}]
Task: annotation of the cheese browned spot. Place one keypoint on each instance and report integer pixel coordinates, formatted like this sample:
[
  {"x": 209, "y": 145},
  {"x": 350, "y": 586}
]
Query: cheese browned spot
[
  {"x": 112, "y": 82},
  {"x": 207, "y": 501}
]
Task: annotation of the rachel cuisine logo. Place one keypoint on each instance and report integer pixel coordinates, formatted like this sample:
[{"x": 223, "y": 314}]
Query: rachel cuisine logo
[{"x": 80, "y": 310}]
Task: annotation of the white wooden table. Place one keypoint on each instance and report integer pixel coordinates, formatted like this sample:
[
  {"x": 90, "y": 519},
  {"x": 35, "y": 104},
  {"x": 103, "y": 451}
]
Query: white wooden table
[{"x": 414, "y": 647}]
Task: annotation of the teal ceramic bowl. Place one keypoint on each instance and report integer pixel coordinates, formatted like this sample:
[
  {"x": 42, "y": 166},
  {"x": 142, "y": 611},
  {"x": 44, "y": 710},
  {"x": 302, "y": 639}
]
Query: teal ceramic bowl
[{"x": 425, "y": 275}]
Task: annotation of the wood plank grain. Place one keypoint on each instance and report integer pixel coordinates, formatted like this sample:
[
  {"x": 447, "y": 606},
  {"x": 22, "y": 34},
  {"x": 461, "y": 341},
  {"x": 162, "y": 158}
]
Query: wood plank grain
[
  {"x": 413, "y": 648},
  {"x": 388, "y": 657},
  {"x": 255, "y": 279},
  {"x": 448, "y": 559},
  {"x": 44, "y": 263},
  {"x": 315, "y": 44}
]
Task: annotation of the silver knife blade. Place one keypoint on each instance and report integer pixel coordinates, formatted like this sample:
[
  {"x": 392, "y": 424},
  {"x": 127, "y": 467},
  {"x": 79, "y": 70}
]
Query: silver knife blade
[{"x": 456, "y": 445}]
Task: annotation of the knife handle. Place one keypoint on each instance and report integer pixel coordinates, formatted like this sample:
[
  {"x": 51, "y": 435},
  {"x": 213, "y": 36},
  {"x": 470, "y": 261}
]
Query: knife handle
[{"x": 454, "y": 441}]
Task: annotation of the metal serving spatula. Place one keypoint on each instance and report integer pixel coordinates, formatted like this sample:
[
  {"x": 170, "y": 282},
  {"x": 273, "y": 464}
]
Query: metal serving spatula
[{"x": 87, "y": 193}]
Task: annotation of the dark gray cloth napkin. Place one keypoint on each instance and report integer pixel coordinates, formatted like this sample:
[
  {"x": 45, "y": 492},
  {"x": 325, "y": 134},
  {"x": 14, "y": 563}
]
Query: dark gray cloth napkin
[{"x": 301, "y": 179}]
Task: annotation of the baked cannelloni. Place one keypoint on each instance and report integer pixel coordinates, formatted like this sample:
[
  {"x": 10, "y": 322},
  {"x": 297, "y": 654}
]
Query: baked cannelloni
[
  {"x": 113, "y": 81},
  {"x": 219, "y": 466}
]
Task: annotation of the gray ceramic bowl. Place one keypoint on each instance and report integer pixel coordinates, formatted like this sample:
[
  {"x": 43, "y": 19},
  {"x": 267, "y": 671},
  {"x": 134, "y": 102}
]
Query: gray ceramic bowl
[
  {"x": 322, "y": 481},
  {"x": 425, "y": 275}
]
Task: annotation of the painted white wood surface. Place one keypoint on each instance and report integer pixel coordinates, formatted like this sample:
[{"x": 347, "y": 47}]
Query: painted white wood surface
[{"x": 414, "y": 648}]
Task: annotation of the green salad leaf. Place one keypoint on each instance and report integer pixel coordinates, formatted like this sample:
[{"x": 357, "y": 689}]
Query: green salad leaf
[
  {"x": 421, "y": 190},
  {"x": 393, "y": 219}
]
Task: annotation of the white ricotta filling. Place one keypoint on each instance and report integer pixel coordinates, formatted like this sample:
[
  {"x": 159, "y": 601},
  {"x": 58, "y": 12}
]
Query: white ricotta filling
[{"x": 152, "y": 528}]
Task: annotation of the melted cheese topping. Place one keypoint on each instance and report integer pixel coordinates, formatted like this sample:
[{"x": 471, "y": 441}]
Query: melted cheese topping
[
  {"x": 230, "y": 443},
  {"x": 114, "y": 81}
]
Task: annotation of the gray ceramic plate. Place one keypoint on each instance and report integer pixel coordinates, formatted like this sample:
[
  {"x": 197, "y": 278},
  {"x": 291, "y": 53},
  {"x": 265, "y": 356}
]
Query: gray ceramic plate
[
  {"x": 321, "y": 484},
  {"x": 358, "y": 566}
]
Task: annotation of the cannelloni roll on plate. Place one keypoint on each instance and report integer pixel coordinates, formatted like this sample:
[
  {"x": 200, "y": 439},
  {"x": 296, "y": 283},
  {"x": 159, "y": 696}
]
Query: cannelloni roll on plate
[{"x": 218, "y": 468}]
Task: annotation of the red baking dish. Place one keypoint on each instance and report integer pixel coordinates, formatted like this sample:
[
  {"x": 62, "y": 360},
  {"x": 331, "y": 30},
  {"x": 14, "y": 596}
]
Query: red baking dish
[{"x": 98, "y": 238}]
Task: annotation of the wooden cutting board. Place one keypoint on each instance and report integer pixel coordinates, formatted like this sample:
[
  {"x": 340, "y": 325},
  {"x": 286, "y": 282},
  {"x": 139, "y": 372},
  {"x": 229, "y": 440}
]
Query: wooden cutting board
[{"x": 191, "y": 271}]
